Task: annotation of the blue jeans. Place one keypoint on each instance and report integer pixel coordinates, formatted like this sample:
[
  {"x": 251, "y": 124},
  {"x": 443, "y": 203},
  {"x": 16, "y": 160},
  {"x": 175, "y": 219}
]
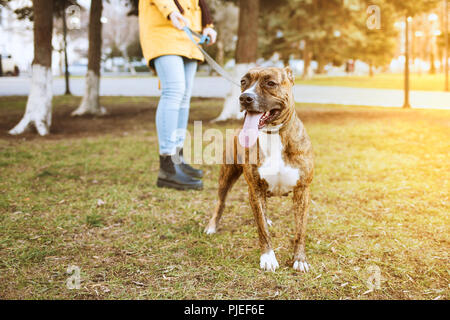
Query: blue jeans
[{"x": 176, "y": 74}]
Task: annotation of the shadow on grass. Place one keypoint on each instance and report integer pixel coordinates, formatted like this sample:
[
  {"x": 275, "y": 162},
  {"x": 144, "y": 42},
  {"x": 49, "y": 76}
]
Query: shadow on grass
[{"x": 126, "y": 114}]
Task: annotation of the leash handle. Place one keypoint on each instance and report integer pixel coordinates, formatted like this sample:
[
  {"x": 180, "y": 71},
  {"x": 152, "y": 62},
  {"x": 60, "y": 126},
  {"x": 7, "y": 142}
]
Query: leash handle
[{"x": 203, "y": 38}]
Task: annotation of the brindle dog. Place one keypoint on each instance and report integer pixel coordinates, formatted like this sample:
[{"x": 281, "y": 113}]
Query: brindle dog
[{"x": 276, "y": 139}]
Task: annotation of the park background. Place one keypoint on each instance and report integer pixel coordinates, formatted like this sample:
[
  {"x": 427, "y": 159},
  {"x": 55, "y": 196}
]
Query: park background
[{"x": 81, "y": 191}]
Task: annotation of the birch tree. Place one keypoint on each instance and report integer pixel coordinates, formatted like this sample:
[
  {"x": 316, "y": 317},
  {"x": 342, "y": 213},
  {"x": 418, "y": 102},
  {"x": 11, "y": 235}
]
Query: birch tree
[
  {"x": 38, "y": 112},
  {"x": 90, "y": 104}
]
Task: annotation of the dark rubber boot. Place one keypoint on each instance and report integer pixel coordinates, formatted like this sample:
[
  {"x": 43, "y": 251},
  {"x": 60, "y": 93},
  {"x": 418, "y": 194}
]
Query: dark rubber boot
[
  {"x": 171, "y": 176},
  {"x": 187, "y": 169}
]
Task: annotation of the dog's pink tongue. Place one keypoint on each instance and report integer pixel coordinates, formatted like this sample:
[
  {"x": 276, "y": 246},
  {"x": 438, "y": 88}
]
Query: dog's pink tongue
[{"x": 249, "y": 133}]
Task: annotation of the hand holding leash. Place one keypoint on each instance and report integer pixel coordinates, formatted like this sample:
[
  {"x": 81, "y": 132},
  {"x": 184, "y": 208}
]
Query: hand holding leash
[
  {"x": 178, "y": 20},
  {"x": 211, "y": 33},
  {"x": 205, "y": 39}
]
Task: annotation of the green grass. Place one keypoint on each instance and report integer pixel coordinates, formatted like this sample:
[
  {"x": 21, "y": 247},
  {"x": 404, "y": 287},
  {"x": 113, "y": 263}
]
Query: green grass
[
  {"x": 380, "y": 198},
  {"x": 424, "y": 82}
]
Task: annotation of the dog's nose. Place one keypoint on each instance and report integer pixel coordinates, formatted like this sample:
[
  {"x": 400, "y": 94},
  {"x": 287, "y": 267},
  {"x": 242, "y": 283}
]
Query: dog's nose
[{"x": 247, "y": 98}]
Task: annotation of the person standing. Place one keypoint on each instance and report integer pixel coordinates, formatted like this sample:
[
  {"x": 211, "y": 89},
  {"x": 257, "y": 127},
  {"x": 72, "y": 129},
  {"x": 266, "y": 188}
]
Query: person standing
[{"x": 170, "y": 52}]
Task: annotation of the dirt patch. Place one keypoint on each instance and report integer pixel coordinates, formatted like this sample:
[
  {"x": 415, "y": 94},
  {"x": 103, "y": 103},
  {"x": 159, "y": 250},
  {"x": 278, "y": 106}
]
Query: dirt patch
[
  {"x": 131, "y": 114},
  {"x": 120, "y": 118},
  {"x": 124, "y": 114}
]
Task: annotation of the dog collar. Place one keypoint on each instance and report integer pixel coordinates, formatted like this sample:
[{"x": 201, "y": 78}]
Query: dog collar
[{"x": 272, "y": 130}]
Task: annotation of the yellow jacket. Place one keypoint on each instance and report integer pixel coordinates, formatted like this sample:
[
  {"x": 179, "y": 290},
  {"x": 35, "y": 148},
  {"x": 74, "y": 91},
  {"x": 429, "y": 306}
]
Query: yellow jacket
[{"x": 157, "y": 34}]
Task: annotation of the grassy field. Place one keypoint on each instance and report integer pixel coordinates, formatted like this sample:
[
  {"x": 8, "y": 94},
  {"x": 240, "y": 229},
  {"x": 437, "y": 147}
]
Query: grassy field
[
  {"x": 424, "y": 82},
  {"x": 86, "y": 196}
]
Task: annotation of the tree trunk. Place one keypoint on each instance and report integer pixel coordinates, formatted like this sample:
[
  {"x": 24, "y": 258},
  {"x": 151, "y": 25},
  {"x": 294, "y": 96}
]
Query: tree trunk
[
  {"x": 90, "y": 104},
  {"x": 446, "y": 52},
  {"x": 247, "y": 44},
  {"x": 220, "y": 58},
  {"x": 320, "y": 64},
  {"x": 432, "y": 65},
  {"x": 371, "y": 73},
  {"x": 61, "y": 61},
  {"x": 306, "y": 59},
  {"x": 128, "y": 65},
  {"x": 420, "y": 55},
  {"x": 38, "y": 111},
  {"x": 66, "y": 58},
  {"x": 413, "y": 47},
  {"x": 320, "y": 58},
  {"x": 406, "y": 104},
  {"x": 246, "y": 55}
]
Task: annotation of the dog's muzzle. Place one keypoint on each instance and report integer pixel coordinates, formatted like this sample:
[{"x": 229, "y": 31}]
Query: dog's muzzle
[{"x": 249, "y": 102}]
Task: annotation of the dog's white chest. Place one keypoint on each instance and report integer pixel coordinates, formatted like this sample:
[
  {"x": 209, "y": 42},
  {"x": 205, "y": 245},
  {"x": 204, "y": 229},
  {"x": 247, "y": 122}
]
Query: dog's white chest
[{"x": 280, "y": 177}]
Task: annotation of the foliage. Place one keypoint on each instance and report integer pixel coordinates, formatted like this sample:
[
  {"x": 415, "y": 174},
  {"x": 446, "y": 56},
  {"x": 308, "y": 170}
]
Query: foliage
[
  {"x": 26, "y": 12},
  {"x": 376, "y": 46},
  {"x": 337, "y": 30},
  {"x": 329, "y": 26}
]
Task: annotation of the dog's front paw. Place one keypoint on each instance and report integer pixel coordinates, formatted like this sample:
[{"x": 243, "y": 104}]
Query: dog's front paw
[
  {"x": 268, "y": 262},
  {"x": 301, "y": 266}
]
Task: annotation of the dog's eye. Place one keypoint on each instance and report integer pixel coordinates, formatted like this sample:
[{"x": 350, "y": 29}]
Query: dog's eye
[
  {"x": 243, "y": 82},
  {"x": 271, "y": 83}
]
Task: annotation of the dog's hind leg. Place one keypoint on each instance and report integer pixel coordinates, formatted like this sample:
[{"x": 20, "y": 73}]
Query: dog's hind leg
[
  {"x": 301, "y": 205},
  {"x": 229, "y": 174}
]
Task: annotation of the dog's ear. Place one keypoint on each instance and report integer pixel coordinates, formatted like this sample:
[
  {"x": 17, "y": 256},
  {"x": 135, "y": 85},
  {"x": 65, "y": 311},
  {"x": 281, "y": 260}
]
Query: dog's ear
[{"x": 289, "y": 74}]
